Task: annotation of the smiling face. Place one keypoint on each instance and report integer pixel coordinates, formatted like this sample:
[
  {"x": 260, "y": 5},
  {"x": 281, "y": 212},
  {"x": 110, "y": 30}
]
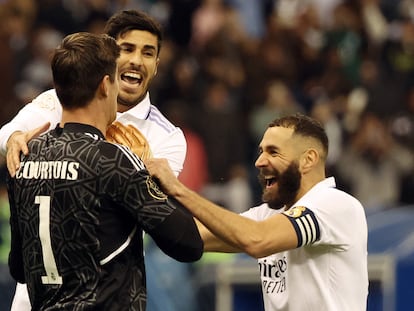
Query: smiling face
[
  {"x": 278, "y": 165},
  {"x": 137, "y": 66}
]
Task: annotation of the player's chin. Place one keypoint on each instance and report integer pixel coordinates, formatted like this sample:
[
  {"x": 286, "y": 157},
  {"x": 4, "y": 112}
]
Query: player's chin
[
  {"x": 128, "y": 99},
  {"x": 269, "y": 193}
]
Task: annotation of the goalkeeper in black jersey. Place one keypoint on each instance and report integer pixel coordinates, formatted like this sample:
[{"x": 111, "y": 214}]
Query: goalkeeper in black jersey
[{"x": 79, "y": 204}]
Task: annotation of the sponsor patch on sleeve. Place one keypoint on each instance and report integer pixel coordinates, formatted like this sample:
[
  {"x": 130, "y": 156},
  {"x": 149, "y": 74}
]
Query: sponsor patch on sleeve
[{"x": 305, "y": 223}]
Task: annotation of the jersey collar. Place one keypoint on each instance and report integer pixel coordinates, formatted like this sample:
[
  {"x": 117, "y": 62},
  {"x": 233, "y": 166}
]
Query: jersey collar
[
  {"x": 328, "y": 182},
  {"x": 82, "y": 128}
]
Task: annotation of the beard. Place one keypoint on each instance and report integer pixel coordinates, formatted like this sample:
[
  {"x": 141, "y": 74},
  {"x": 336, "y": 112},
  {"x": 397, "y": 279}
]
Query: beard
[
  {"x": 130, "y": 103},
  {"x": 288, "y": 187}
]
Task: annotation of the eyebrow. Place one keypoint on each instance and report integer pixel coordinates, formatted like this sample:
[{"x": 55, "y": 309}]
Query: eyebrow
[
  {"x": 147, "y": 46},
  {"x": 269, "y": 148}
]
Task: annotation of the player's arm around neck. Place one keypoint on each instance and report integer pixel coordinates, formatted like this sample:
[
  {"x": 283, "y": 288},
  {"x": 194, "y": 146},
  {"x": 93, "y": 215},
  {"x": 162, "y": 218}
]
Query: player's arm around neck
[{"x": 256, "y": 238}]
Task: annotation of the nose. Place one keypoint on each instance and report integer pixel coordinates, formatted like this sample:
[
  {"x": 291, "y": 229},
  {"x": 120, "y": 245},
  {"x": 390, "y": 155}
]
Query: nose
[
  {"x": 261, "y": 161},
  {"x": 136, "y": 58}
]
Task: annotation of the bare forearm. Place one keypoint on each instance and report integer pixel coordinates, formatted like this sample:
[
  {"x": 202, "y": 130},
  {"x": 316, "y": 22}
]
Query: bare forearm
[{"x": 240, "y": 233}]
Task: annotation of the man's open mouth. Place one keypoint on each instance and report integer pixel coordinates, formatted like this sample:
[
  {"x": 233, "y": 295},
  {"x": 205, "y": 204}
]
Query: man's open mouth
[
  {"x": 270, "y": 181},
  {"x": 132, "y": 77}
]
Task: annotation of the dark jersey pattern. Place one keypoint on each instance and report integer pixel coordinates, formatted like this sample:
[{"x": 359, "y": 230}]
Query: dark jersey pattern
[{"x": 79, "y": 206}]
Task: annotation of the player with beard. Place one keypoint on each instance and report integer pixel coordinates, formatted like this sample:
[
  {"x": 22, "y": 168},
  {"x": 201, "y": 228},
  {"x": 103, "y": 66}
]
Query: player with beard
[
  {"x": 309, "y": 237},
  {"x": 140, "y": 38}
]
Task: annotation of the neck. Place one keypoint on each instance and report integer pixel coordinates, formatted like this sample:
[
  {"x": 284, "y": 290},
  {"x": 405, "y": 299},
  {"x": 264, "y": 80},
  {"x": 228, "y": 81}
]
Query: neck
[{"x": 90, "y": 115}]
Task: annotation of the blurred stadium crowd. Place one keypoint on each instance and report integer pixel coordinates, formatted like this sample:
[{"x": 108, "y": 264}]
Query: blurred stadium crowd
[{"x": 228, "y": 67}]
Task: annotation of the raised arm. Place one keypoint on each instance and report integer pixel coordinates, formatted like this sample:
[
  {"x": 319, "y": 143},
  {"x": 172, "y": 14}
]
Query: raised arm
[
  {"x": 44, "y": 108},
  {"x": 42, "y": 113}
]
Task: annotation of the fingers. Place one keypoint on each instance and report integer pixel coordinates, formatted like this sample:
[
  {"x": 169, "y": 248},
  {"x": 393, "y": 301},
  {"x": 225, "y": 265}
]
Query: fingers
[
  {"x": 117, "y": 133},
  {"x": 17, "y": 144},
  {"x": 137, "y": 136},
  {"x": 13, "y": 161},
  {"x": 130, "y": 136},
  {"x": 161, "y": 170},
  {"x": 155, "y": 166}
]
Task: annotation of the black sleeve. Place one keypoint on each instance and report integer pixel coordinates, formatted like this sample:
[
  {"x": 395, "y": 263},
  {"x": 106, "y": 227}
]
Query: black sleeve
[
  {"x": 178, "y": 237},
  {"x": 16, "y": 266},
  {"x": 131, "y": 186}
]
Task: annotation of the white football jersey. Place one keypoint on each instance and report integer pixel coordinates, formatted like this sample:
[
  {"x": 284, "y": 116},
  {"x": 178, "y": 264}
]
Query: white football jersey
[{"x": 328, "y": 271}]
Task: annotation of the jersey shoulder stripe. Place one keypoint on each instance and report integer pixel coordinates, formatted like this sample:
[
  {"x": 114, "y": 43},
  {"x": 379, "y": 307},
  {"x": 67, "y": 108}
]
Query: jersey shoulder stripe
[
  {"x": 305, "y": 223},
  {"x": 133, "y": 158},
  {"x": 157, "y": 117}
]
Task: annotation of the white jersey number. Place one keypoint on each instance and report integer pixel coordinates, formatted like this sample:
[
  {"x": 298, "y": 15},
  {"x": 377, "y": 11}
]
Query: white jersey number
[{"x": 52, "y": 274}]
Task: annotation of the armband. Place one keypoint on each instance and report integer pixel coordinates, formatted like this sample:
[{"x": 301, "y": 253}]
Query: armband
[{"x": 305, "y": 223}]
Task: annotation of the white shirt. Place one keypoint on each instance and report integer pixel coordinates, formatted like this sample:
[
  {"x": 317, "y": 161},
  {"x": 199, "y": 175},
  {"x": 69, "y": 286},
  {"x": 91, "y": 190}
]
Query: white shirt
[
  {"x": 165, "y": 140},
  {"x": 329, "y": 274}
]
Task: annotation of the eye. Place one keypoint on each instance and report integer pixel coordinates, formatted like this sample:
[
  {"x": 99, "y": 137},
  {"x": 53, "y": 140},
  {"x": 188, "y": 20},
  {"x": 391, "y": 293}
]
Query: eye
[
  {"x": 127, "y": 49},
  {"x": 149, "y": 53}
]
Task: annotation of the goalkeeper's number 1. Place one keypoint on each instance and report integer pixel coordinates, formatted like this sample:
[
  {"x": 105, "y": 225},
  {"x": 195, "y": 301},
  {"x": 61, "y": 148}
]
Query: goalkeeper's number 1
[{"x": 52, "y": 274}]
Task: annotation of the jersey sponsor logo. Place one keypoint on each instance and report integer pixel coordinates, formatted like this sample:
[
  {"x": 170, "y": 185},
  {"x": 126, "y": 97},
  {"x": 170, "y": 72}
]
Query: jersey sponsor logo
[
  {"x": 271, "y": 287},
  {"x": 48, "y": 170},
  {"x": 154, "y": 190},
  {"x": 273, "y": 275}
]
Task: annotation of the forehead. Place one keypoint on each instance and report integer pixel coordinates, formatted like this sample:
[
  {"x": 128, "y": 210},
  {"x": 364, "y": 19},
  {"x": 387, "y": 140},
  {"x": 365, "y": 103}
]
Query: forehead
[
  {"x": 139, "y": 38},
  {"x": 276, "y": 136}
]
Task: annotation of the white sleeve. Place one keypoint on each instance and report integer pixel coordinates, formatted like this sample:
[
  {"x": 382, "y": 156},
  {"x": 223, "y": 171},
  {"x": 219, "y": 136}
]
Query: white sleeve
[
  {"x": 340, "y": 217},
  {"x": 44, "y": 108},
  {"x": 21, "y": 301},
  {"x": 174, "y": 149},
  {"x": 261, "y": 212}
]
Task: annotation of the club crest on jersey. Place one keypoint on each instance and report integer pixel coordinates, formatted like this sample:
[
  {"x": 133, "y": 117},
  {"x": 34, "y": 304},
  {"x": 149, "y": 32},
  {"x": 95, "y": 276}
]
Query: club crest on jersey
[
  {"x": 295, "y": 212},
  {"x": 154, "y": 190}
]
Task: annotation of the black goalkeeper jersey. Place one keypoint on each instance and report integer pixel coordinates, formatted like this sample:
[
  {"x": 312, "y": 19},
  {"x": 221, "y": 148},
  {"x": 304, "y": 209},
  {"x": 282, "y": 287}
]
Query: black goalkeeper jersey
[{"x": 79, "y": 206}]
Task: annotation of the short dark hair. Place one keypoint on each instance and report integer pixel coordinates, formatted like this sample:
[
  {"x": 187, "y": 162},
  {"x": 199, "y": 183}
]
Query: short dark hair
[
  {"x": 80, "y": 63},
  {"x": 128, "y": 20},
  {"x": 304, "y": 126}
]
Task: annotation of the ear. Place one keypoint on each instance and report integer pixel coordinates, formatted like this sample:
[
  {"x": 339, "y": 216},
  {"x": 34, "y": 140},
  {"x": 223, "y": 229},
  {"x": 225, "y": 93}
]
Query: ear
[
  {"x": 309, "y": 159},
  {"x": 103, "y": 87},
  {"x": 156, "y": 66}
]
